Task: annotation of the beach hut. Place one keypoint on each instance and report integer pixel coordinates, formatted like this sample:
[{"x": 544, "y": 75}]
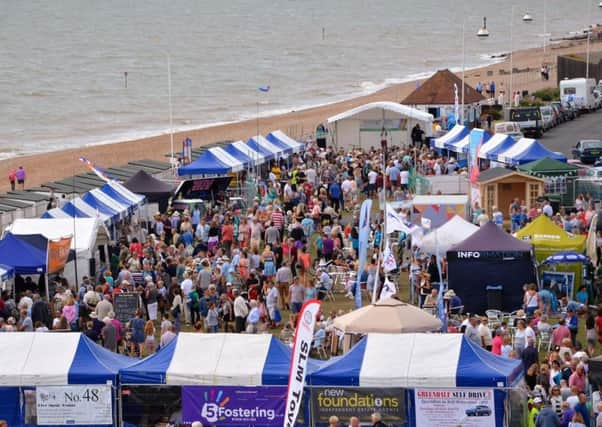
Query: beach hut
[
  {"x": 490, "y": 258},
  {"x": 437, "y": 96},
  {"x": 210, "y": 367},
  {"x": 58, "y": 378},
  {"x": 411, "y": 375},
  {"x": 499, "y": 187},
  {"x": 361, "y": 127}
]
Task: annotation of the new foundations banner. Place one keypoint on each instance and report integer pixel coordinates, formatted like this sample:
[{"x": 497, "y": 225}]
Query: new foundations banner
[
  {"x": 230, "y": 405},
  {"x": 466, "y": 407},
  {"x": 358, "y": 402}
]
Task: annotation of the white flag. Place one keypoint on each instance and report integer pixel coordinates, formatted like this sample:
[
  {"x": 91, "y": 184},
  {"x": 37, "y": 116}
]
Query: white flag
[
  {"x": 389, "y": 263},
  {"x": 395, "y": 222},
  {"x": 426, "y": 223},
  {"x": 389, "y": 289},
  {"x": 302, "y": 346}
]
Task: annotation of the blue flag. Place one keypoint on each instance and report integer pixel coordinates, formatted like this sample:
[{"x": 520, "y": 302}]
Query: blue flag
[
  {"x": 364, "y": 234},
  {"x": 264, "y": 88},
  {"x": 441, "y": 308}
]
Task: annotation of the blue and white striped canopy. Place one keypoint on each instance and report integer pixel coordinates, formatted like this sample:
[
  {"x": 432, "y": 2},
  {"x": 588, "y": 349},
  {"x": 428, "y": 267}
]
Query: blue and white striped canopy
[
  {"x": 284, "y": 141},
  {"x": 457, "y": 133},
  {"x": 57, "y": 358},
  {"x": 262, "y": 145},
  {"x": 214, "y": 359},
  {"x": 418, "y": 361},
  {"x": 566, "y": 258}
]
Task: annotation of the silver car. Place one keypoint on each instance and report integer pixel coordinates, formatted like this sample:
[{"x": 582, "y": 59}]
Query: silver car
[{"x": 547, "y": 114}]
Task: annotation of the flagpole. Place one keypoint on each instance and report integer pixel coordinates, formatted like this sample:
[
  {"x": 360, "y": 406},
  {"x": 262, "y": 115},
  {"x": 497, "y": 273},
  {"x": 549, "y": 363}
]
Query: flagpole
[{"x": 384, "y": 209}]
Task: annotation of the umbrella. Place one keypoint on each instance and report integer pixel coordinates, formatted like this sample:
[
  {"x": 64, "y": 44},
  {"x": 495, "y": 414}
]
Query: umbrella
[
  {"x": 387, "y": 316},
  {"x": 566, "y": 257}
]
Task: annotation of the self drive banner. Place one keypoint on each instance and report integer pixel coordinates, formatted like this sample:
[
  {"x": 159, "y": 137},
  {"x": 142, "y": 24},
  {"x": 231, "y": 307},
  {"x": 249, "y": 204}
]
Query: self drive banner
[
  {"x": 364, "y": 234},
  {"x": 358, "y": 402},
  {"x": 466, "y": 407},
  {"x": 476, "y": 139},
  {"x": 231, "y": 405},
  {"x": 301, "y": 348},
  {"x": 58, "y": 253},
  {"x": 74, "y": 404}
]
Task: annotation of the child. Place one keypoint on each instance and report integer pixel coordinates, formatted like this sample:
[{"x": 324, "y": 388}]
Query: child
[
  {"x": 212, "y": 318},
  {"x": 149, "y": 337}
]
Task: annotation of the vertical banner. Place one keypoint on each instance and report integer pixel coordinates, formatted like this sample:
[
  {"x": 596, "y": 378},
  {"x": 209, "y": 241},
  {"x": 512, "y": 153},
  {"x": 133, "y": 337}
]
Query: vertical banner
[
  {"x": 469, "y": 407},
  {"x": 58, "y": 253},
  {"x": 301, "y": 347},
  {"x": 364, "y": 234},
  {"x": 231, "y": 406},
  {"x": 476, "y": 139}
]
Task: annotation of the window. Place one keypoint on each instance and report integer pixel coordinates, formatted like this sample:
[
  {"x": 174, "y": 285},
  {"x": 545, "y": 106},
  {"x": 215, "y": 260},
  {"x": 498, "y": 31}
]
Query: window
[
  {"x": 490, "y": 198},
  {"x": 533, "y": 192},
  {"x": 569, "y": 91}
]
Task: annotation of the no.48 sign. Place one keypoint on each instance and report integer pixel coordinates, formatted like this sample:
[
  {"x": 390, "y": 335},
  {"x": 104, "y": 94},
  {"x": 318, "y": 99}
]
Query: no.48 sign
[{"x": 74, "y": 404}]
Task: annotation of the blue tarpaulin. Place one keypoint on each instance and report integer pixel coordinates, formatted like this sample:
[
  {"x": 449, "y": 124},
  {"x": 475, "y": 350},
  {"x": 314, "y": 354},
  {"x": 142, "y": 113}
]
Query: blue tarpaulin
[{"x": 25, "y": 254}]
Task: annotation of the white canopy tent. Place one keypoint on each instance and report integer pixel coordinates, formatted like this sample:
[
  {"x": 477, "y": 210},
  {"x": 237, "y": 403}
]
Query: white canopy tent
[
  {"x": 87, "y": 233},
  {"x": 441, "y": 239},
  {"x": 361, "y": 126}
]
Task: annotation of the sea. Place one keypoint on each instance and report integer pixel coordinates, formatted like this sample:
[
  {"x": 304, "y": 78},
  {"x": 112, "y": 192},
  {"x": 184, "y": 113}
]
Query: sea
[{"x": 75, "y": 73}]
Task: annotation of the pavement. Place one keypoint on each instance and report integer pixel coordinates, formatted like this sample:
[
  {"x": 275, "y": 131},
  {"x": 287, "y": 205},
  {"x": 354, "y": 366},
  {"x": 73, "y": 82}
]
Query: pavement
[{"x": 565, "y": 136}]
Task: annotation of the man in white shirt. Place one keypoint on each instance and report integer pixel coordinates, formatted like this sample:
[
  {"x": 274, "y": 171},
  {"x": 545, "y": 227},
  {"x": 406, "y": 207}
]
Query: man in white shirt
[
  {"x": 271, "y": 302},
  {"x": 547, "y": 209},
  {"x": 186, "y": 287},
  {"x": 485, "y": 334},
  {"x": 372, "y": 176},
  {"x": 240, "y": 310},
  {"x": 404, "y": 179}
]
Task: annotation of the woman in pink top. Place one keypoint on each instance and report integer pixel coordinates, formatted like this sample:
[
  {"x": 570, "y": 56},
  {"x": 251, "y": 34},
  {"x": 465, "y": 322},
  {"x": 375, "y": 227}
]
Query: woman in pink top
[{"x": 69, "y": 311}]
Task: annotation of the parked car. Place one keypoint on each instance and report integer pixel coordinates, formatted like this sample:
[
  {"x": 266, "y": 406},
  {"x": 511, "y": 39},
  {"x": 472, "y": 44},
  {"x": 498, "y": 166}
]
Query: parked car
[
  {"x": 558, "y": 115},
  {"x": 588, "y": 150},
  {"x": 479, "y": 411},
  {"x": 549, "y": 119},
  {"x": 571, "y": 111},
  {"x": 529, "y": 119},
  {"x": 511, "y": 129}
]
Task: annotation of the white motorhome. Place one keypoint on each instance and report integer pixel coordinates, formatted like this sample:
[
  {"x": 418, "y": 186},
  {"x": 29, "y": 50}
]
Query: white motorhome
[{"x": 580, "y": 92}]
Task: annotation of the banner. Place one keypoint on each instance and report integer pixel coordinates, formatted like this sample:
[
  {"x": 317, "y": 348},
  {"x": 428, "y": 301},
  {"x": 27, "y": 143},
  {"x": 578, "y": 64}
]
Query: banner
[
  {"x": 475, "y": 141},
  {"x": 466, "y": 407},
  {"x": 389, "y": 263},
  {"x": 74, "y": 404},
  {"x": 301, "y": 347},
  {"x": 358, "y": 402},
  {"x": 364, "y": 234},
  {"x": 229, "y": 405},
  {"x": 389, "y": 289},
  {"x": 58, "y": 253}
]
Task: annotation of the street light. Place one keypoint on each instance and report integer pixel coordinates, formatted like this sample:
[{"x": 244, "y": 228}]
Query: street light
[
  {"x": 589, "y": 32},
  {"x": 172, "y": 159}
]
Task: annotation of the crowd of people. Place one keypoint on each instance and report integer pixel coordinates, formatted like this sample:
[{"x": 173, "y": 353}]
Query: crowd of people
[{"x": 249, "y": 270}]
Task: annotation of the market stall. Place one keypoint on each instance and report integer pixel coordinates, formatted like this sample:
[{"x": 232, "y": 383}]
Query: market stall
[
  {"x": 443, "y": 238},
  {"x": 489, "y": 269},
  {"x": 197, "y": 371},
  {"x": 57, "y": 379},
  {"x": 418, "y": 380}
]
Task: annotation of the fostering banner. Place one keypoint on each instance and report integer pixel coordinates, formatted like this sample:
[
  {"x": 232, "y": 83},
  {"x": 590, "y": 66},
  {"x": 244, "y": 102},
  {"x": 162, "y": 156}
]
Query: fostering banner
[
  {"x": 466, "y": 407},
  {"x": 74, "y": 404},
  {"x": 358, "y": 402},
  {"x": 231, "y": 405}
]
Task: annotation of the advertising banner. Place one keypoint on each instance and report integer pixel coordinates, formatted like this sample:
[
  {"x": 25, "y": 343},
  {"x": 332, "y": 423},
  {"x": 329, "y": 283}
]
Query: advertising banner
[
  {"x": 301, "y": 347},
  {"x": 58, "y": 253},
  {"x": 230, "y": 405},
  {"x": 74, "y": 404},
  {"x": 358, "y": 402},
  {"x": 466, "y": 407}
]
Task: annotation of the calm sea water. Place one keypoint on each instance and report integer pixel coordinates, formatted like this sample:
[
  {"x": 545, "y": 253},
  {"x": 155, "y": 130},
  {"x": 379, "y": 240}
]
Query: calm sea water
[{"x": 62, "y": 63}]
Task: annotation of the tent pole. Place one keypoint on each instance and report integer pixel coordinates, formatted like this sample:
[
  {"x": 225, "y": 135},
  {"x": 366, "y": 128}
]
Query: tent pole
[{"x": 47, "y": 287}]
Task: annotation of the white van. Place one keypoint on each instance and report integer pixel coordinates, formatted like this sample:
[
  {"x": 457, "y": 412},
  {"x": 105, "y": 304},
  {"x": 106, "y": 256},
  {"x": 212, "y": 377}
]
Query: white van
[{"x": 579, "y": 92}]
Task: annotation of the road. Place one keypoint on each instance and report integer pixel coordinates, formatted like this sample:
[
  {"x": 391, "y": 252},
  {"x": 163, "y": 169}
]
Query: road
[{"x": 564, "y": 137}]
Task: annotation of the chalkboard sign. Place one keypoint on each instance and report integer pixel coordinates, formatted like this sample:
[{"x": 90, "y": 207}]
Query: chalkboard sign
[{"x": 125, "y": 306}]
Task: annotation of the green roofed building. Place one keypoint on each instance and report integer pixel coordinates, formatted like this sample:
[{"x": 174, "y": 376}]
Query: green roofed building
[
  {"x": 560, "y": 179},
  {"x": 549, "y": 167}
]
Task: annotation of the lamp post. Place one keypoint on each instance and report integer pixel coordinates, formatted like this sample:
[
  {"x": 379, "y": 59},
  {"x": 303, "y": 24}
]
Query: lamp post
[
  {"x": 172, "y": 159},
  {"x": 589, "y": 31},
  {"x": 511, "y": 85},
  {"x": 482, "y": 33}
]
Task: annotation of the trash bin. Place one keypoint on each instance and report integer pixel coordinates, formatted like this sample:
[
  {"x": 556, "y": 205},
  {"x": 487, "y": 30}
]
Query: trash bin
[{"x": 494, "y": 297}]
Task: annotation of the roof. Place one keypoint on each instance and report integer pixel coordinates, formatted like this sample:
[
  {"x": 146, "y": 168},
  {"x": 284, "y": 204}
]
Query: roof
[
  {"x": 26, "y": 254},
  {"x": 527, "y": 150},
  {"x": 382, "y": 110},
  {"x": 549, "y": 166},
  {"x": 439, "y": 90},
  {"x": 416, "y": 361},
  {"x": 490, "y": 237},
  {"x": 389, "y": 316},
  {"x": 548, "y": 238},
  {"x": 445, "y": 199},
  {"x": 144, "y": 183},
  {"x": 494, "y": 174},
  {"x": 214, "y": 359},
  {"x": 57, "y": 358}
]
